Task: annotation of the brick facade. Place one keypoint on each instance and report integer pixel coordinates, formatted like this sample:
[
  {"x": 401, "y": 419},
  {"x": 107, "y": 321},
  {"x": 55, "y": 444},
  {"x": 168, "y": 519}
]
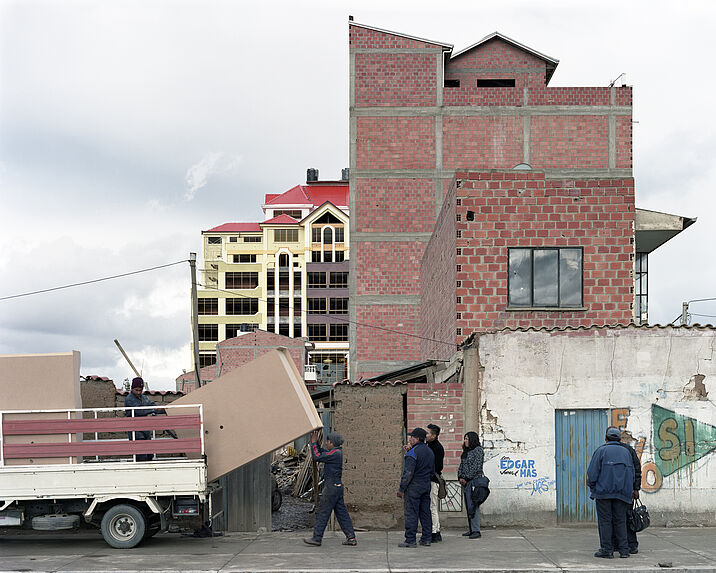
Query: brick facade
[{"x": 410, "y": 133}]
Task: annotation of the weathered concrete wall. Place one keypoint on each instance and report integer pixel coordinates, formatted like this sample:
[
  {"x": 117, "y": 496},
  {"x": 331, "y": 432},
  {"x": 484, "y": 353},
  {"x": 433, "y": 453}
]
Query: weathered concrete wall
[{"x": 656, "y": 384}]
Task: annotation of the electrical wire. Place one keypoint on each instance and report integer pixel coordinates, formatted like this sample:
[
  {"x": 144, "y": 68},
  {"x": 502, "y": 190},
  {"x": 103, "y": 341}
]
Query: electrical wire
[
  {"x": 703, "y": 315},
  {"x": 93, "y": 281},
  {"x": 339, "y": 318}
]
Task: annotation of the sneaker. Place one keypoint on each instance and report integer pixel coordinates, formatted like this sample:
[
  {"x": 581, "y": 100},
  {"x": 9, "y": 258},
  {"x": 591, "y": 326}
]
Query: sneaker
[
  {"x": 425, "y": 543},
  {"x": 406, "y": 544},
  {"x": 311, "y": 541},
  {"x": 604, "y": 554},
  {"x": 437, "y": 537},
  {"x": 475, "y": 535},
  {"x": 624, "y": 555},
  {"x": 634, "y": 551},
  {"x": 352, "y": 541},
  {"x": 467, "y": 534}
]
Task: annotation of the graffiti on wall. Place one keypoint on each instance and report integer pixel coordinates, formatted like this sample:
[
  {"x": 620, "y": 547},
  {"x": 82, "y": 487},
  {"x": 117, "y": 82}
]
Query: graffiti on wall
[
  {"x": 539, "y": 485},
  {"x": 677, "y": 442},
  {"x": 520, "y": 468}
]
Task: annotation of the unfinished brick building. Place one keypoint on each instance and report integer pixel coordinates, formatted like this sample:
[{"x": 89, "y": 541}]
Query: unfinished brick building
[{"x": 544, "y": 183}]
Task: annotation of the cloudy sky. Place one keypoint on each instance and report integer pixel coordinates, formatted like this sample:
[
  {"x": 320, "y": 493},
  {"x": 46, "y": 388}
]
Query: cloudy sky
[{"x": 128, "y": 127}]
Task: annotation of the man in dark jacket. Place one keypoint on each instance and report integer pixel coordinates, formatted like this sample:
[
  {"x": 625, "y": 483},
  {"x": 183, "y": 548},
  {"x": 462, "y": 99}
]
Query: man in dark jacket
[
  {"x": 140, "y": 405},
  {"x": 332, "y": 494},
  {"x": 439, "y": 453},
  {"x": 610, "y": 478},
  {"x": 418, "y": 468},
  {"x": 631, "y": 535}
]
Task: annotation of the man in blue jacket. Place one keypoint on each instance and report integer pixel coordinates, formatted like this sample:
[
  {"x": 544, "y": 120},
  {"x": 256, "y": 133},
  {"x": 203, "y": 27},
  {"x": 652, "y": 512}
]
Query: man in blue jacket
[
  {"x": 610, "y": 478},
  {"x": 418, "y": 468}
]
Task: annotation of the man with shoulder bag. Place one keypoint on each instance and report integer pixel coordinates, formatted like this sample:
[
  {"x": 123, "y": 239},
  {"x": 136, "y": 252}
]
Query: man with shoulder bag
[{"x": 631, "y": 533}]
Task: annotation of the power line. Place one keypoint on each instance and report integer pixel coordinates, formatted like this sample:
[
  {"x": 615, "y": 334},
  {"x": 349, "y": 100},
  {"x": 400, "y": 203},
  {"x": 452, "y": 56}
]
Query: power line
[
  {"x": 704, "y": 315},
  {"x": 92, "y": 281},
  {"x": 340, "y": 318}
]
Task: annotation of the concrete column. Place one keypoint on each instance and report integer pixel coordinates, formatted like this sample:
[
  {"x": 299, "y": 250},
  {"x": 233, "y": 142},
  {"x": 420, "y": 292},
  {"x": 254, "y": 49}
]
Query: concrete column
[{"x": 472, "y": 373}]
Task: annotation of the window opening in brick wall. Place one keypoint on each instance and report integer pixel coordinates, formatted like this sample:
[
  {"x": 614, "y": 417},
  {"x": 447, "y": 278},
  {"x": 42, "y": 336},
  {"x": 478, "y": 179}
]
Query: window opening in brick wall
[
  {"x": 459, "y": 252},
  {"x": 458, "y": 201},
  {"x": 459, "y": 233},
  {"x": 242, "y": 305},
  {"x": 316, "y": 305},
  {"x": 459, "y": 332},
  {"x": 208, "y": 332},
  {"x": 459, "y": 217},
  {"x": 459, "y": 316},
  {"x": 452, "y": 83},
  {"x": 459, "y": 300},
  {"x": 316, "y": 280},
  {"x": 471, "y": 215},
  {"x": 497, "y": 83},
  {"x": 459, "y": 283},
  {"x": 208, "y": 306},
  {"x": 242, "y": 280},
  {"x": 459, "y": 268},
  {"x": 207, "y": 359},
  {"x": 252, "y": 239},
  {"x": 545, "y": 277},
  {"x": 339, "y": 280}
]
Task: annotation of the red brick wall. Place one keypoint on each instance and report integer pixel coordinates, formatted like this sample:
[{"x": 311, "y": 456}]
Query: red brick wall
[
  {"x": 389, "y": 205},
  {"x": 389, "y": 268},
  {"x": 526, "y": 210},
  {"x": 486, "y": 61},
  {"x": 439, "y": 404},
  {"x": 569, "y": 141},
  {"x": 488, "y": 141},
  {"x": 395, "y": 79},
  {"x": 395, "y": 143},
  {"x": 381, "y": 344}
]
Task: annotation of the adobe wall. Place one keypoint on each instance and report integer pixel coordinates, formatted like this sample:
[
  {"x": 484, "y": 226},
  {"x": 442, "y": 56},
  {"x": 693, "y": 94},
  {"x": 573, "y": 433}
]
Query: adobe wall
[
  {"x": 655, "y": 383},
  {"x": 408, "y": 136}
]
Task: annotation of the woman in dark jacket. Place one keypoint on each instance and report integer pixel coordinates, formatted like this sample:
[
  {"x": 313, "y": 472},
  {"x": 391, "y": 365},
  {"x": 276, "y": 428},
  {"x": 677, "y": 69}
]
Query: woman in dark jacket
[{"x": 470, "y": 468}]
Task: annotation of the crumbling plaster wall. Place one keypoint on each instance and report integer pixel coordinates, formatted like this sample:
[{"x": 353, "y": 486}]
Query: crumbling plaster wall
[{"x": 657, "y": 384}]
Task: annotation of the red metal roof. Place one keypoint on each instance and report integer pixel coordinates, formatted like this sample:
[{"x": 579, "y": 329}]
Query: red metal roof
[
  {"x": 236, "y": 228},
  {"x": 281, "y": 220},
  {"x": 311, "y": 195}
]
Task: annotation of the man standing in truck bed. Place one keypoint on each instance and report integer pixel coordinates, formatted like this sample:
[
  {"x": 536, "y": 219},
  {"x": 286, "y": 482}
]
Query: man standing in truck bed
[{"x": 137, "y": 399}]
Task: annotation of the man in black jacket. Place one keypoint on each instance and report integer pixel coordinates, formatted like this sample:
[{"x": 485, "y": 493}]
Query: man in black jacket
[
  {"x": 439, "y": 453},
  {"x": 419, "y": 466},
  {"x": 631, "y": 535}
]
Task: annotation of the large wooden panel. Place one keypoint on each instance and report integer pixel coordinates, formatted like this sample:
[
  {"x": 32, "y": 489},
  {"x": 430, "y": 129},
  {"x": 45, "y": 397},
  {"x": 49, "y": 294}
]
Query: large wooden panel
[{"x": 253, "y": 410}]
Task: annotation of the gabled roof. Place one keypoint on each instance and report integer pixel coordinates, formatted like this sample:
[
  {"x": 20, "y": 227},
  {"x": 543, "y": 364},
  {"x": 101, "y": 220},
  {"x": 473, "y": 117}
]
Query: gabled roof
[
  {"x": 235, "y": 228},
  {"x": 310, "y": 196},
  {"x": 400, "y": 34},
  {"x": 282, "y": 219},
  {"x": 551, "y": 62}
]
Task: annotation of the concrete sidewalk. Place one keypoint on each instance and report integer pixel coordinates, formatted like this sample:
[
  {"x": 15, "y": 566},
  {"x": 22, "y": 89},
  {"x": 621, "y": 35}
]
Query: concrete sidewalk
[{"x": 524, "y": 550}]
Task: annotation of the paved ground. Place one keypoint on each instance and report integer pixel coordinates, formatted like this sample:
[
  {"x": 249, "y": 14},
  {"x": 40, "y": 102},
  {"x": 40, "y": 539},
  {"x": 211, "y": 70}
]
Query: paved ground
[{"x": 526, "y": 550}]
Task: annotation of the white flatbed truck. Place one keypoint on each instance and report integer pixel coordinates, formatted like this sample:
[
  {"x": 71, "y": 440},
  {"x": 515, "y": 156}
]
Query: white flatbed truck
[{"x": 60, "y": 467}]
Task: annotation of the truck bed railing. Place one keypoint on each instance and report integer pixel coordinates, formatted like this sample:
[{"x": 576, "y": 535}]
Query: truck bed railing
[{"x": 32, "y": 434}]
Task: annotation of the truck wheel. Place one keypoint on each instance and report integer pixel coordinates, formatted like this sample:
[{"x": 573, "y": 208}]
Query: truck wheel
[{"x": 123, "y": 526}]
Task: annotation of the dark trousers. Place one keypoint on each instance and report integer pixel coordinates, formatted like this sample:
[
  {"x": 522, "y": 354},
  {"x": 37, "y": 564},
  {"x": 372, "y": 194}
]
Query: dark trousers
[
  {"x": 142, "y": 435},
  {"x": 473, "y": 511},
  {"x": 416, "y": 505},
  {"x": 631, "y": 536},
  {"x": 611, "y": 517},
  {"x": 332, "y": 500}
]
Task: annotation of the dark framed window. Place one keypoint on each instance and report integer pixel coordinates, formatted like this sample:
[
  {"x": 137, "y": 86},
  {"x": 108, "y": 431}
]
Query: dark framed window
[
  {"x": 270, "y": 309},
  {"x": 317, "y": 333},
  {"x": 545, "y": 277},
  {"x": 340, "y": 235},
  {"x": 339, "y": 332},
  {"x": 285, "y": 235},
  {"x": 316, "y": 256},
  {"x": 232, "y": 330},
  {"x": 340, "y": 256},
  {"x": 297, "y": 330},
  {"x": 316, "y": 305},
  {"x": 339, "y": 280},
  {"x": 339, "y": 305},
  {"x": 242, "y": 280},
  {"x": 208, "y": 306},
  {"x": 244, "y": 258},
  {"x": 315, "y": 234},
  {"x": 242, "y": 305},
  {"x": 208, "y": 332},
  {"x": 213, "y": 240},
  {"x": 284, "y": 329},
  {"x": 233, "y": 239},
  {"x": 252, "y": 239},
  {"x": 296, "y": 214},
  {"x": 316, "y": 280},
  {"x": 207, "y": 359}
]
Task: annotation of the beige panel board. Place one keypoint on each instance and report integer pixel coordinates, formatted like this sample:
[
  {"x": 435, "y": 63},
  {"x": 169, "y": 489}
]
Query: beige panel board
[
  {"x": 253, "y": 410},
  {"x": 39, "y": 382}
]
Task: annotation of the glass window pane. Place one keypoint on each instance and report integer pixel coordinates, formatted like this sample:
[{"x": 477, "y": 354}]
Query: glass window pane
[
  {"x": 520, "y": 272},
  {"x": 570, "y": 277},
  {"x": 545, "y": 277}
]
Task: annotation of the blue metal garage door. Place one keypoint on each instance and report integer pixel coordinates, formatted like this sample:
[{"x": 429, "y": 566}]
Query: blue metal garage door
[{"x": 577, "y": 434}]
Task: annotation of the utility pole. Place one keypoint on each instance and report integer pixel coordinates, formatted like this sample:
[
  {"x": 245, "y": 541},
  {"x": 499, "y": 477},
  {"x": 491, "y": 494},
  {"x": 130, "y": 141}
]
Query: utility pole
[
  {"x": 195, "y": 317},
  {"x": 684, "y": 314}
]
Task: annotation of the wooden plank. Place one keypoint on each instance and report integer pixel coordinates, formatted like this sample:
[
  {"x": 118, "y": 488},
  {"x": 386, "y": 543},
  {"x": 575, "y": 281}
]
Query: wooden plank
[
  {"x": 147, "y": 423},
  {"x": 113, "y": 448}
]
